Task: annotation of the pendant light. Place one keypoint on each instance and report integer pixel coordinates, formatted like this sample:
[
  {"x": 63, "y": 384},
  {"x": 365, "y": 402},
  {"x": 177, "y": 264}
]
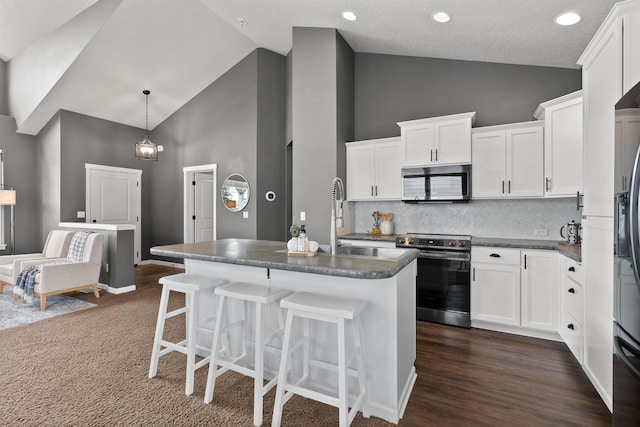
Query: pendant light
[{"x": 145, "y": 149}]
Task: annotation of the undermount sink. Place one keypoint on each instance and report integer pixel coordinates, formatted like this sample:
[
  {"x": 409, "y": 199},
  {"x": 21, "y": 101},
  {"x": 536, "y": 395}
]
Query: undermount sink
[
  {"x": 362, "y": 252},
  {"x": 388, "y": 253}
]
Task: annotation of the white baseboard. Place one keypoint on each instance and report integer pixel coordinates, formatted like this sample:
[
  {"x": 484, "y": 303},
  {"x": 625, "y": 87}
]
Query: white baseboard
[
  {"x": 116, "y": 291},
  {"x": 406, "y": 393},
  {"x": 165, "y": 263},
  {"x": 551, "y": 336}
]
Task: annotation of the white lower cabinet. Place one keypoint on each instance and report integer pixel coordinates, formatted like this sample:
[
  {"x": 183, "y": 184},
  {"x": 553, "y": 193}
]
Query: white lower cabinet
[
  {"x": 539, "y": 282},
  {"x": 515, "y": 290},
  {"x": 598, "y": 262},
  {"x": 495, "y": 285},
  {"x": 572, "y": 305}
]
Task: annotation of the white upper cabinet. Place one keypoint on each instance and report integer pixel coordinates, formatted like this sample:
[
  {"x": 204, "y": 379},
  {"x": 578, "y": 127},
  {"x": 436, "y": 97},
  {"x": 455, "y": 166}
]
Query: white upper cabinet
[
  {"x": 437, "y": 140},
  {"x": 626, "y": 136},
  {"x": 631, "y": 46},
  {"x": 563, "y": 140},
  {"x": 373, "y": 169},
  {"x": 508, "y": 161},
  {"x": 602, "y": 85}
]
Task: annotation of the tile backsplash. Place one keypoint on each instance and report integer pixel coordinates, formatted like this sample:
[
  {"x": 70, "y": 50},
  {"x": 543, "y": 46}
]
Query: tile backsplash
[{"x": 480, "y": 218}]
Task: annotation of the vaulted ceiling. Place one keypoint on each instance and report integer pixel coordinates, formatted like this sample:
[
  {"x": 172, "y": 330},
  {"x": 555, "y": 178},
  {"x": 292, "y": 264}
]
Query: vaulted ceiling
[{"x": 96, "y": 56}]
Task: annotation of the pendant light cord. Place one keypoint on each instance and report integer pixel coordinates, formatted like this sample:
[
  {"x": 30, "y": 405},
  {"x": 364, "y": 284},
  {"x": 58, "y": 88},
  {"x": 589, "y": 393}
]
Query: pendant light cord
[{"x": 146, "y": 125}]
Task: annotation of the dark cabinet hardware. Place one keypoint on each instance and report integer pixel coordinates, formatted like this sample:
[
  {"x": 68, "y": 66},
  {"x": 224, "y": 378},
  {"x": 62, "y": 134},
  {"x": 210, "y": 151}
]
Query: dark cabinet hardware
[
  {"x": 525, "y": 262},
  {"x": 570, "y": 326},
  {"x": 578, "y": 205},
  {"x": 572, "y": 269},
  {"x": 495, "y": 255},
  {"x": 571, "y": 291}
]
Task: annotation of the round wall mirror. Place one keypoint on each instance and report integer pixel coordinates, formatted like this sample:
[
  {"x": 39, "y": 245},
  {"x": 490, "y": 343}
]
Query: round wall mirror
[{"x": 235, "y": 192}]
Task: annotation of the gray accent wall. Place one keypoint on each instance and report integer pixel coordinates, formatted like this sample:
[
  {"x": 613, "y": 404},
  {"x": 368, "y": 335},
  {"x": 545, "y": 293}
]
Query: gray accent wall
[
  {"x": 238, "y": 123},
  {"x": 321, "y": 75},
  {"x": 47, "y": 174},
  {"x": 4, "y": 97},
  {"x": 271, "y": 149},
  {"x": 85, "y": 139},
  {"x": 389, "y": 89},
  {"x": 20, "y": 172}
]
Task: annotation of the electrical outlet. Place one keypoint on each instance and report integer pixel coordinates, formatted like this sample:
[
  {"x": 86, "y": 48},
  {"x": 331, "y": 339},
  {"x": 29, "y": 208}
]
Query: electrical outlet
[
  {"x": 80, "y": 214},
  {"x": 303, "y": 216},
  {"x": 245, "y": 214},
  {"x": 541, "y": 232}
]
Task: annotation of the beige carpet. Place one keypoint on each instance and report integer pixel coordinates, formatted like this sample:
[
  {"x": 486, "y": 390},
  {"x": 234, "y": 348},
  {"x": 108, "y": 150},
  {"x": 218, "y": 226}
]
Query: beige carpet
[{"x": 89, "y": 368}]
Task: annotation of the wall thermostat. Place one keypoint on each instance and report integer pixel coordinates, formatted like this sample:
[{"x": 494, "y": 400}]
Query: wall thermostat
[{"x": 270, "y": 196}]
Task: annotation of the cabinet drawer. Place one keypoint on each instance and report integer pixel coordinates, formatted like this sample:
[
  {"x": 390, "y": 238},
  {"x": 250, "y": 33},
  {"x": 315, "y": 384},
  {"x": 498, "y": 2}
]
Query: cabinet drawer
[
  {"x": 574, "y": 271},
  {"x": 573, "y": 299},
  {"x": 495, "y": 255},
  {"x": 572, "y": 334}
]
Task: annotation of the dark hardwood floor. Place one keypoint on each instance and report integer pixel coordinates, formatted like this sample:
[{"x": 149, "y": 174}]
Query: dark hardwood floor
[
  {"x": 477, "y": 377},
  {"x": 474, "y": 377}
]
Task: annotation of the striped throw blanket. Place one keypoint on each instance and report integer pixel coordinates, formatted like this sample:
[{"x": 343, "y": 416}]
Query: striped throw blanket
[{"x": 26, "y": 281}]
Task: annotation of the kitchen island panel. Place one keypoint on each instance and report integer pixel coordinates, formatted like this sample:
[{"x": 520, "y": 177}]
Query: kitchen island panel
[{"x": 388, "y": 323}]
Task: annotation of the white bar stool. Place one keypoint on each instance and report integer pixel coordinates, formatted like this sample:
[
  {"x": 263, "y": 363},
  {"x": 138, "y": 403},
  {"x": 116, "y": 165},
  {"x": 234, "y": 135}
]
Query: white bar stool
[
  {"x": 262, "y": 296},
  {"x": 328, "y": 309},
  {"x": 191, "y": 285}
]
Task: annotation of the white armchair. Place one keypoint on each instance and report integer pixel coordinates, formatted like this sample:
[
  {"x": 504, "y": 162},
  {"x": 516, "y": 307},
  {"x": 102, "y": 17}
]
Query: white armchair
[
  {"x": 55, "y": 247},
  {"x": 60, "y": 278}
]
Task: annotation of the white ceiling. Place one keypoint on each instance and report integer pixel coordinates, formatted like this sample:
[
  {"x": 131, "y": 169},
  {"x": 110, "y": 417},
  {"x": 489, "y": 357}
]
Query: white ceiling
[{"x": 176, "y": 48}]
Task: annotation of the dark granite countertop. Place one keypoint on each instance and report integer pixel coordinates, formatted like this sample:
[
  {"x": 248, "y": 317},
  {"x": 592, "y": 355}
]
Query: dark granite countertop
[
  {"x": 269, "y": 254},
  {"x": 566, "y": 249}
]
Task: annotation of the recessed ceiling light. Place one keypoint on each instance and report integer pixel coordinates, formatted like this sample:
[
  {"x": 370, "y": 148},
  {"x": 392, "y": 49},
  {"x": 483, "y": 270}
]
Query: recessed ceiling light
[
  {"x": 568, "y": 18},
  {"x": 349, "y": 16},
  {"x": 441, "y": 17}
]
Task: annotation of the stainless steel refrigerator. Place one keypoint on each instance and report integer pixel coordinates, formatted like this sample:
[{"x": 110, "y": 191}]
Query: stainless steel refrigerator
[{"x": 626, "y": 322}]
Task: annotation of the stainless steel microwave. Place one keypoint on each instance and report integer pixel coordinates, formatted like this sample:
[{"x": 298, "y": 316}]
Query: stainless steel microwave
[{"x": 436, "y": 184}]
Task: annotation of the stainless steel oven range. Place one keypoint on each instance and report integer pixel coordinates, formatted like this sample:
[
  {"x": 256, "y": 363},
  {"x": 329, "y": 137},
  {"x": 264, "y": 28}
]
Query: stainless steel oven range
[{"x": 443, "y": 284}]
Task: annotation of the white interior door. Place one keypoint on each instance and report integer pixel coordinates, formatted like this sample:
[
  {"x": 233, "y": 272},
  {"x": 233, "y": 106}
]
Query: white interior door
[
  {"x": 204, "y": 190},
  {"x": 114, "y": 197},
  {"x": 200, "y": 200}
]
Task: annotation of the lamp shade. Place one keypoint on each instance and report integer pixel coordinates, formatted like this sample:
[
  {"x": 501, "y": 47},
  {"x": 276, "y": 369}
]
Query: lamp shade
[{"x": 7, "y": 197}]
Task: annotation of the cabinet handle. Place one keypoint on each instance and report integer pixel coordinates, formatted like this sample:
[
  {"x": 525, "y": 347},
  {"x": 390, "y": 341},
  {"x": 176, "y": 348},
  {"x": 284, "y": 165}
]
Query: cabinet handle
[
  {"x": 376, "y": 190},
  {"x": 525, "y": 262},
  {"x": 503, "y": 187},
  {"x": 578, "y": 205},
  {"x": 571, "y": 291},
  {"x": 431, "y": 153},
  {"x": 436, "y": 154},
  {"x": 474, "y": 274},
  {"x": 372, "y": 191},
  {"x": 495, "y": 255},
  {"x": 509, "y": 186},
  {"x": 572, "y": 269},
  {"x": 547, "y": 184},
  {"x": 570, "y": 326}
]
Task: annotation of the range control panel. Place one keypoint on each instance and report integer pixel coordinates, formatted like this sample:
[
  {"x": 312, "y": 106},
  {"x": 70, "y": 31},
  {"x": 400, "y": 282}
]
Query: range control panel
[{"x": 434, "y": 242}]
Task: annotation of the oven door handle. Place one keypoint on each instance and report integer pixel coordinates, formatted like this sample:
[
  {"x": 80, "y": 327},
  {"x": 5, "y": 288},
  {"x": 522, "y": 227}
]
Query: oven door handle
[{"x": 449, "y": 256}]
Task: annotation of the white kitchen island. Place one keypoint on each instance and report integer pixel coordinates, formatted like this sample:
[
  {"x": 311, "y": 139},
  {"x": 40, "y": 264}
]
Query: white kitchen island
[{"x": 386, "y": 283}]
